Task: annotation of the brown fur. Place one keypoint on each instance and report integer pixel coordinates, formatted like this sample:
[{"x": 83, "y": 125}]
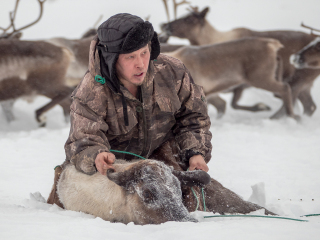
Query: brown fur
[
  {"x": 30, "y": 68},
  {"x": 250, "y": 61}
]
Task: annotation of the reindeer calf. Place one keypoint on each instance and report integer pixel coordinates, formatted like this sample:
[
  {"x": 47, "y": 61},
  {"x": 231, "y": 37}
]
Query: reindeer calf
[{"x": 142, "y": 192}]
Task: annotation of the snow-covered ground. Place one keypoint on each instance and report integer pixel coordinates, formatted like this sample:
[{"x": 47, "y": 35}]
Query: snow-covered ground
[{"x": 282, "y": 157}]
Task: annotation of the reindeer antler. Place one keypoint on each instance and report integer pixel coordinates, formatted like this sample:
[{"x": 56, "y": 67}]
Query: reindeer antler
[
  {"x": 12, "y": 19},
  {"x": 311, "y": 28},
  {"x": 12, "y": 16},
  {"x": 193, "y": 9},
  {"x": 176, "y": 5},
  {"x": 167, "y": 9},
  {"x": 97, "y": 22}
]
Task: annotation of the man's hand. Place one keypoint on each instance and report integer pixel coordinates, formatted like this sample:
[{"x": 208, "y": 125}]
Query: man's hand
[
  {"x": 197, "y": 162},
  {"x": 104, "y": 161}
]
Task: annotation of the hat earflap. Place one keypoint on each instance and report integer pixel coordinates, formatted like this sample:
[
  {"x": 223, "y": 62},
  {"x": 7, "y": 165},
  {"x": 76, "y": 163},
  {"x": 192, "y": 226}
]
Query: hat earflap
[{"x": 155, "y": 47}]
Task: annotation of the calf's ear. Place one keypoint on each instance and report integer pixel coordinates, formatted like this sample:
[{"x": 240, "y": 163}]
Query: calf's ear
[
  {"x": 123, "y": 179},
  {"x": 193, "y": 178}
]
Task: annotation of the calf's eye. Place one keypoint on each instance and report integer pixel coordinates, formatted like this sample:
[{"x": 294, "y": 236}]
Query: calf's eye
[{"x": 147, "y": 196}]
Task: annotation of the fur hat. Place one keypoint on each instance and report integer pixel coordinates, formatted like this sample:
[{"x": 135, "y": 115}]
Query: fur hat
[{"x": 126, "y": 33}]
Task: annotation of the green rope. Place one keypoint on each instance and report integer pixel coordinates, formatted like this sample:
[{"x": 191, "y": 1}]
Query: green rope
[
  {"x": 195, "y": 195},
  {"x": 310, "y": 215},
  {"x": 100, "y": 79},
  {"x": 293, "y": 219},
  {"x": 56, "y": 167},
  {"x": 196, "y": 198},
  {"x": 204, "y": 201},
  {"x": 117, "y": 151}
]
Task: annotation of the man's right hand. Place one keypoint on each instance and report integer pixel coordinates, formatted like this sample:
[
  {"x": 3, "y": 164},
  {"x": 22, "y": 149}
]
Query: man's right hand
[{"x": 104, "y": 161}]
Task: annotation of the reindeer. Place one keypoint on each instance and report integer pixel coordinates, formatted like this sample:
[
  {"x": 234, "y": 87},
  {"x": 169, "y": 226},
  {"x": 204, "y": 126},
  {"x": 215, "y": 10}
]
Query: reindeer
[
  {"x": 199, "y": 31},
  {"x": 30, "y": 68},
  {"x": 250, "y": 61}
]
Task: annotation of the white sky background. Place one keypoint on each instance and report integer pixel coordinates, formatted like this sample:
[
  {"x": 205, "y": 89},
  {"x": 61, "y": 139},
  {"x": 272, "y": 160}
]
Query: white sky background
[{"x": 70, "y": 18}]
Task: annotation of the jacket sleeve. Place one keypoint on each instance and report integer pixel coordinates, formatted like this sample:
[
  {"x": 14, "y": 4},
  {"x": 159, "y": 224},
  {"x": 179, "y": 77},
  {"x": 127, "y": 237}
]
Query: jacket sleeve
[
  {"x": 87, "y": 132},
  {"x": 192, "y": 121}
]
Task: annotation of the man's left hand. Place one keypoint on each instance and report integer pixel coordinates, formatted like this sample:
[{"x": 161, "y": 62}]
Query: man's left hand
[{"x": 197, "y": 162}]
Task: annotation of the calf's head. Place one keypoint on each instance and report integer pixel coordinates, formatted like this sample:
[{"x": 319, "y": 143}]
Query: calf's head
[{"x": 157, "y": 190}]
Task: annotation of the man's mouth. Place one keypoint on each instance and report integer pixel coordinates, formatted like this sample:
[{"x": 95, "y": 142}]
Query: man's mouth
[{"x": 139, "y": 74}]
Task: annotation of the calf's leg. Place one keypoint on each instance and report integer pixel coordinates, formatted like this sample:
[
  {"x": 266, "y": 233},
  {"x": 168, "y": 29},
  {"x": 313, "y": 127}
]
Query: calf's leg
[{"x": 222, "y": 200}]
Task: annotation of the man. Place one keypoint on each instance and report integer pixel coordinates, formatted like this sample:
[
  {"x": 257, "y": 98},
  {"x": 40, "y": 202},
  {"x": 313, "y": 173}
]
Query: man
[{"x": 133, "y": 99}]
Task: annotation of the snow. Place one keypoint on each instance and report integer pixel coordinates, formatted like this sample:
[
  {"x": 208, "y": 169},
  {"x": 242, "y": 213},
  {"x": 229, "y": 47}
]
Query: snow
[{"x": 280, "y": 160}]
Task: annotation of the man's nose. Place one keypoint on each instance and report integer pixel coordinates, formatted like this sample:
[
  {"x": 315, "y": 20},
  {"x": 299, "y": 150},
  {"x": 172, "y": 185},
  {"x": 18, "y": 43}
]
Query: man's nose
[{"x": 139, "y": 62}]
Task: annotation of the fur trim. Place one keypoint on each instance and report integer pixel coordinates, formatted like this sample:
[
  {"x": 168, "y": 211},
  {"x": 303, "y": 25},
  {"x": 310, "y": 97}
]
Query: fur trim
[{"x": 139, "y": 36}]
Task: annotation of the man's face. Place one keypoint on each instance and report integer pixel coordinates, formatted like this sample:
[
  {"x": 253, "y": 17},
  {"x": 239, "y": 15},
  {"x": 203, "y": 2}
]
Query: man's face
[{"x": 132, "y": 67}]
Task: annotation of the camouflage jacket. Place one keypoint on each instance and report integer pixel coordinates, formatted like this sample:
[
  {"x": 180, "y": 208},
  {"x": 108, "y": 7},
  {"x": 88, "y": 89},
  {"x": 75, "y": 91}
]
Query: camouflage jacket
[{"x": 173, "y": 106}]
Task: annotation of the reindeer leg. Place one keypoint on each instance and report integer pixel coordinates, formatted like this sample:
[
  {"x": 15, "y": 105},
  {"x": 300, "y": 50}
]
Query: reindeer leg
[
  {"x": 284, "y": 91},
  {"x": 10, "y": 89},
  {"x": 222, "y": 200},
  {"x": 218, "y": 103},
  {"x": 57, "y": 99},
  {"x": 301, "y": 81},
  {"x": 309, "y": 107},
  {"x": 237, "y": 93},
  {"x": 7, "y": 107}
]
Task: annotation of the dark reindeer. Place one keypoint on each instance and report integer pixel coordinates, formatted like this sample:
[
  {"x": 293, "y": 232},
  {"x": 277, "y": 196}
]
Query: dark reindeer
[{"x": 199, "y": 31}]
